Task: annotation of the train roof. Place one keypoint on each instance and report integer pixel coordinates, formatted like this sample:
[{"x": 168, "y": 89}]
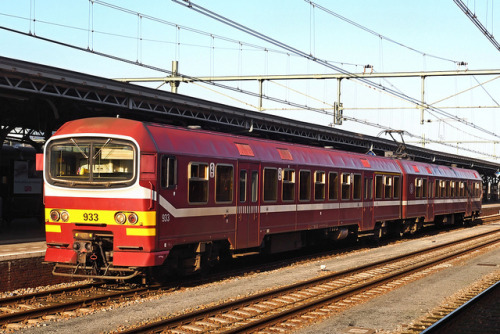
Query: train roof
[
  {"x": 202, "y": 143},
  {"x": 220, "y": 145},
  {"x": 426, "y": 169},
  {"x": 109, "y": 126}
]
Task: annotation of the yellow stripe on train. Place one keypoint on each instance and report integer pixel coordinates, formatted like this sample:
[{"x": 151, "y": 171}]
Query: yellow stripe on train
[
  {"x": 142, "y": 232},
  {"x": 96, "y": 217},
  {"x": 53, "y": 228}
]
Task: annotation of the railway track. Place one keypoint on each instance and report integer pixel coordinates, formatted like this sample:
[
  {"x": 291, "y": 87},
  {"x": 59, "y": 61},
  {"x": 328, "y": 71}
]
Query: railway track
[
  {"x": 489, "y": 219},
  {"x": 66, "y": 301},
  {"x": 63, "y": 301},
  {"x": 480, "y": 311},
  {"x": 475, "y": 308},
  {"x": 290, "y": 307}
]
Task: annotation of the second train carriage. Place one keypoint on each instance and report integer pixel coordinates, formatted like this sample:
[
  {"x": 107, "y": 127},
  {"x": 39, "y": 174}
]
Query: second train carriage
[{"x": 122, "y": 196}]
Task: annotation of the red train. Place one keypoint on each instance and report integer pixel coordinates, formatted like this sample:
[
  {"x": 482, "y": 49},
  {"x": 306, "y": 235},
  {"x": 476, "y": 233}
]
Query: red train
[{"x": 125, "y": 197}]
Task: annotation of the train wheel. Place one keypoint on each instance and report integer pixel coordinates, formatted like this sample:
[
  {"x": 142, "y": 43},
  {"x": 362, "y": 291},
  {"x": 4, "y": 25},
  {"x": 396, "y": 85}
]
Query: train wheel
[{"x": 379, "y": 232}]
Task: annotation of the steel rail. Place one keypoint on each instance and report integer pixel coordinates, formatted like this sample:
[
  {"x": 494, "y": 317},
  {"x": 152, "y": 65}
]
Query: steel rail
[
  {"x": 448, "y": 320},
  {"x": 17, "y": 298},
  {"x": 275, "y": 318},
  {"x": 65, "y": 306},
  {"x": 226, "y": 307}
]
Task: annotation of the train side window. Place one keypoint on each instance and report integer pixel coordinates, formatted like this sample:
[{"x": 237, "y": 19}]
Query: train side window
[
  {"x": 418, "y": 188},
  {"x": 368, "y": 188},
  {"x": 346, "y": 186},
  {"x": 255, "y": 186},
  {"x": 462, "y": 189},
  {"x": 305, "y": 185},
  {"x": 452, "y": 186},
  {"x": 448, "y": 192},
  {"x": 270, "y": 184},
  {"x": 319, "y": 185},
  {"x": 443, "y": 188},
  {"x": 379, "y": 186},
  {"x": 224, "y": 181},
  {"x": 397, "y": 187},
  {"x": 333, "y": 186},
  {"x": 288, "y": 186},
  {"x": 168, "y": 172},
  {"x": 198, "y": 182},
  {"x": 388, "y": 186},
  {"x": 356, "y": 187},
  {"x": 243, "y": 186}
]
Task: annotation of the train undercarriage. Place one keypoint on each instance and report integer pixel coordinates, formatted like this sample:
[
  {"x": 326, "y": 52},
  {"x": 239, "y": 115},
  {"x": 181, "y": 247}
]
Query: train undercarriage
[{"x": 94, "y": 250}]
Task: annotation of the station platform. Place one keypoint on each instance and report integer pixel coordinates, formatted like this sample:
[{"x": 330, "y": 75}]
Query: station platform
[
  {"x": 22, "y": 238},
  {"x": 22, "y": 251},
  {"x": 489, "y": 209}
]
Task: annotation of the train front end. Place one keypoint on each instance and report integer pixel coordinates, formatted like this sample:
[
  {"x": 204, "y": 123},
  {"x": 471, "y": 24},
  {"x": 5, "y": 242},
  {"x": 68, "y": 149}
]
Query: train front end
[{"x": 100, "y": 216}]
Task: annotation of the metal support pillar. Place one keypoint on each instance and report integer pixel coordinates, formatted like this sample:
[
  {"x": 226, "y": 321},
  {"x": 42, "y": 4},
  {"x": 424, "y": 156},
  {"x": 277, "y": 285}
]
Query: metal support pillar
[
  {"x": 338, "y": 112},
  {"x": 261, "y": 82},
  {"x": 422, "y": 98},
  {"x": 175, "y": 72}
]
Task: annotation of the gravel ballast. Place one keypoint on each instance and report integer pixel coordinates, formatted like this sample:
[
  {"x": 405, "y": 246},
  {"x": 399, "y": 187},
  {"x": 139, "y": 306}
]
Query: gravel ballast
[{"x": 388, "y": 312}]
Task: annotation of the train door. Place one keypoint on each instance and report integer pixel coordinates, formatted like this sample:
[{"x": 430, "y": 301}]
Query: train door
[
  {"x": 368, "y": 203},
  {"x": 247, "y": 218},
  {"x": 469, "y": 192},
  {"x": 430, "y": 199},
  {"x": 166, "y": 198}
]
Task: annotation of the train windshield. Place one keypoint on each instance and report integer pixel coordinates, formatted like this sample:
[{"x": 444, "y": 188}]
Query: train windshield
[{"x": 91, "y": 162}]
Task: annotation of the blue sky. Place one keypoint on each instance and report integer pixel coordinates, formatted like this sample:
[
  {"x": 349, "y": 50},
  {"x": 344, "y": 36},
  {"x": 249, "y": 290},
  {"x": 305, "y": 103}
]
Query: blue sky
[{"x": 436, "y": 28}]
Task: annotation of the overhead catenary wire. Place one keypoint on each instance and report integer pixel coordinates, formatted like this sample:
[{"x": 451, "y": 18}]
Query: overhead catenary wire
[
  {"x": 488, "y": 93},
  {"x": 365, "y": 122},
  {"x": 189, "y": 4},
  {"x": 169, "y": 72},
  {"x": 471, "y": 88},
  {"x": 326, "y": 10}
]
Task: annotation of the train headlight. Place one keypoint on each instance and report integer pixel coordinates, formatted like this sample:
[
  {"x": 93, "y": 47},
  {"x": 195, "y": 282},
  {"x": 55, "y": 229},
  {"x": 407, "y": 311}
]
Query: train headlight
[
  {"x": 120, "y": 218},
  {"x": 55, "y": 215},
  {"x": 76, "y": 246},
  {"x": 133, "y": 219},
  {"x": 64, "y": 216}
]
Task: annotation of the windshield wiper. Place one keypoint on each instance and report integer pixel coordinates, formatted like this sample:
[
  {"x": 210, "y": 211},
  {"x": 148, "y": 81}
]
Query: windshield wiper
[
  {"x": 78, "y": 147},
  {"x": 103, "y": 146}
]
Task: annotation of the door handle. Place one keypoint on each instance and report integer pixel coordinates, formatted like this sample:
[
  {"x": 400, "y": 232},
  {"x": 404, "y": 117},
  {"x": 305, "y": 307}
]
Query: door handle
[{"x": 151, "y": 197}]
